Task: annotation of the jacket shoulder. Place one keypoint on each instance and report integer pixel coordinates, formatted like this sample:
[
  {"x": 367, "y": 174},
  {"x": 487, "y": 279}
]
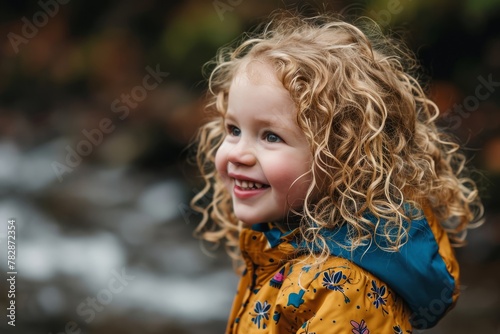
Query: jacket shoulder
[{"x": 341, "y": 294}]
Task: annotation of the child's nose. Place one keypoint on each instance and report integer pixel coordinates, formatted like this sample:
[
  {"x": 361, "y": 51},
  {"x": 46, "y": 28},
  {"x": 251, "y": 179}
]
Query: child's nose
[{"x": 242, "y": 154}]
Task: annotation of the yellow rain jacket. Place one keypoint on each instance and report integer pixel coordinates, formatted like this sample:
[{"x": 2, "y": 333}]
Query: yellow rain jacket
[{"x": 366, "y": 291}]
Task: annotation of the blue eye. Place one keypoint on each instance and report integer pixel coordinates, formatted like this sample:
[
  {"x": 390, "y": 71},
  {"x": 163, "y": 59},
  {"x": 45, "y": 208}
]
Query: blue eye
[
  {"x": 272, "y": 138},
  {"x": 233, "y": 131}
]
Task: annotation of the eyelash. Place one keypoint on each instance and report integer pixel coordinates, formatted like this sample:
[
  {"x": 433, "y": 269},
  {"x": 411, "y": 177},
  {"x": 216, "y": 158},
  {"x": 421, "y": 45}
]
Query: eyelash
[
  {"x": 231, "y": 131},
  {"x": 267, "y": 134}
]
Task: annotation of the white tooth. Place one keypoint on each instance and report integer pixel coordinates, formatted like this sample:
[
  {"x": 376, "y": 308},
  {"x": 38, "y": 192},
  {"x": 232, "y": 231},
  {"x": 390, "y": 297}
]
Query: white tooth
[
  {"x": 250, "y": 184},
  {"x": 258, "y": 185},
  {"x": 244, "y": 184},
  {"x": 237, "y": 182}
]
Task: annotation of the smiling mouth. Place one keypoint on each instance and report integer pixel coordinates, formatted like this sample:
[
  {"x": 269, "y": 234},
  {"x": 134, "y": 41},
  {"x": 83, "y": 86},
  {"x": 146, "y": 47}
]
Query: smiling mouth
[{"x": 249, "y": 185}]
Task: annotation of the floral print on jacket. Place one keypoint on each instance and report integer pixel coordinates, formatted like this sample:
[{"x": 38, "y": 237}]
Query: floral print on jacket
[{"x": 337, "y": 296}]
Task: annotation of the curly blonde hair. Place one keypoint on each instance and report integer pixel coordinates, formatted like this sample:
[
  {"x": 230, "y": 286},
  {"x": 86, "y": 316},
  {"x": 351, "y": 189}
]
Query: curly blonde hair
[{"x": 371, "y": 129}]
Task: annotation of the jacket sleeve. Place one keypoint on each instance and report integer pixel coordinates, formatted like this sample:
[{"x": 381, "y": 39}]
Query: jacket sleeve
[{"x": 340, "y": 297}]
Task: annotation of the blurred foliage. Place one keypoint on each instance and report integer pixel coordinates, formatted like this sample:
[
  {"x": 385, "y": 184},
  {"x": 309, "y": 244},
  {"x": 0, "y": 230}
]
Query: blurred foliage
[{"x": 65, "y": 78}]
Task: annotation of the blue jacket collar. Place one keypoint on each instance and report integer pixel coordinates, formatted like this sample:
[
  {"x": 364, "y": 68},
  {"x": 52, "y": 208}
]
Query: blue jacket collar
[{"x": 416, "y": 272}]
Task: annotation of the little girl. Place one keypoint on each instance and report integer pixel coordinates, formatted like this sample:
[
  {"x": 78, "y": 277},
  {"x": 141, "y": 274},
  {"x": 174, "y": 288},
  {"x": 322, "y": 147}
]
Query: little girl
[{"x": 328, "y": 178}]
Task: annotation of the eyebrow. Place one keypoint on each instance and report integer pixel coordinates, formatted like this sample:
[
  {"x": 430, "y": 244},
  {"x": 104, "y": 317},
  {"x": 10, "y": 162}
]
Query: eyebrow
[
  {"x": 266, "y": 122},
  {"x": 263, "y": 121}
]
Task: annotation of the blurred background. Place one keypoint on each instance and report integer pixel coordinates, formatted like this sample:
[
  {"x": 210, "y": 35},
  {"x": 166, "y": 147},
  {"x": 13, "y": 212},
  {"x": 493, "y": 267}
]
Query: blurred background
[{"x": 98, "y": 101}]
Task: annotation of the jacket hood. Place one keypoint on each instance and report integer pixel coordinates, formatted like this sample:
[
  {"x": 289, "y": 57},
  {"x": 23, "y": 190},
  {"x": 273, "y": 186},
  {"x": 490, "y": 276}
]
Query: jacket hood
[{"x": 424, "y": 272}]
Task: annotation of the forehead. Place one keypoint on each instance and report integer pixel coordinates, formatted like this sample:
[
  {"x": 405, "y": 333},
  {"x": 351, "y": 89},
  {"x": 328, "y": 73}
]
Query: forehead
[
  {"x": 255, "y": 89},
  {"x": 257, "y": 71}
]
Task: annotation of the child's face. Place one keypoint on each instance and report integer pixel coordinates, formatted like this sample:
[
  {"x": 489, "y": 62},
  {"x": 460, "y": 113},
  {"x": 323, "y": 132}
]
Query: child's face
[{"x": 265, "y": 158}]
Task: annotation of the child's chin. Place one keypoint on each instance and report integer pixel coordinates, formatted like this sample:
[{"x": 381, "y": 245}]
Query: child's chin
[{"x": 248, "y": 219}]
